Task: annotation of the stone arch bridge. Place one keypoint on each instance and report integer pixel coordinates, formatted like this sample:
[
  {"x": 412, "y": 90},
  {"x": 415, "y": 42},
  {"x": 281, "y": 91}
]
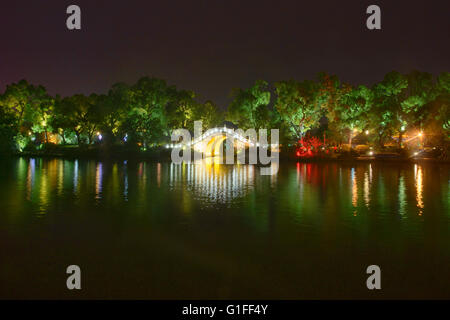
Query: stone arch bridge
[{"x": 210, "y": 143}]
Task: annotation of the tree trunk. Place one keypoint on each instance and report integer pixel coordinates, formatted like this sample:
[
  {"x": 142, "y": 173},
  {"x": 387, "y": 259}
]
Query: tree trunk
[
  {"x": 381, "y": 141},
  {"x": 78, "y": 137},
  {"x": 400, "y": 139},
  {"x": 22, "y": 110}
]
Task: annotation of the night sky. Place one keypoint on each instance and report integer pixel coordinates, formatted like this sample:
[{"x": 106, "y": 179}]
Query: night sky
[{"x": 212, "y": 46}]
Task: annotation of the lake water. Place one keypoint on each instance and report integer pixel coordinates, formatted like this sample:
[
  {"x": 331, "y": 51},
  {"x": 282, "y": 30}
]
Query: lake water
[{"x": 159, "y": 230}]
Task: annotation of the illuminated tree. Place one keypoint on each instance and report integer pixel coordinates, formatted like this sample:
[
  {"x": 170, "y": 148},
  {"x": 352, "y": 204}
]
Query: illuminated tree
[
  {"x": 438, "y": 110},
  {"x": 443, "y": 94},
  {"x": 141, "y": 128},
  {"x": 146, "y": 112},
  {"x": 420, "y": 92},
  {"x": 208, "y": 113},
  {"x": 354, "y": 110},
  {"x": 8, "y": 131},
  {"x": 386, "y": 112},
  {"x": 30, "y": 105},
  {"x": 79, "y": 114},
  {"x": 112, "y": 109},
  {"x": 297, "y": 106},
  {"x": 180, "y": 109},
  {"x": 60, "y": 120},
  {"x": 248, "y": 106},
  {"x": 152, "y": 96}
]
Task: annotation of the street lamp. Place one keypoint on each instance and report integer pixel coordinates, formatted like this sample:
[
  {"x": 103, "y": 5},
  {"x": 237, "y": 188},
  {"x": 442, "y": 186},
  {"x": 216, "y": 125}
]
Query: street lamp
[{"x": 420, "y": 135}]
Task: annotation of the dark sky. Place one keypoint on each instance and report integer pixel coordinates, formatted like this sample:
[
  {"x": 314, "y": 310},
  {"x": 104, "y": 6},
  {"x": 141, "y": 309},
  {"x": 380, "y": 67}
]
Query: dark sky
[{"x": 211, "y": 46}]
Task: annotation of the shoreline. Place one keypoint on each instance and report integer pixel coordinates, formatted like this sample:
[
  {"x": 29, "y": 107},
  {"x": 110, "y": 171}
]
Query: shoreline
[{"x": 164, "y": 156}]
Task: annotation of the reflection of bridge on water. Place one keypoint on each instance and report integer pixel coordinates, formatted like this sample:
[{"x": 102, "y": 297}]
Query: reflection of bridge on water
[
  {"x": 213, "y": 182},
  {"x": 41, "y": 181},
  {"x": 206, "y": 179}
]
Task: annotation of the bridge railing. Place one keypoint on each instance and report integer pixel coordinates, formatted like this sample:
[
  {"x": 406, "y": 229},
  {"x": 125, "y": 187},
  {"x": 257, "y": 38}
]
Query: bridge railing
[{"x": 211, "y": 133}]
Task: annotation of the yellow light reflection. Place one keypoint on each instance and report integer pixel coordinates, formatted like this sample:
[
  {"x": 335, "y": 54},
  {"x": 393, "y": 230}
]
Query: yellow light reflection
[
  {"x": 214, "y": 146},
  {"x": 366, "y": 189},
  {"x": 419, "y": 187},
  {"x": 354, "y": 191},
  {"x": 60, "y": 178},
  {"x": 158, "y": 174},
  {"x": 214, "y": 181},
  {"x": 43, "y": 192}
]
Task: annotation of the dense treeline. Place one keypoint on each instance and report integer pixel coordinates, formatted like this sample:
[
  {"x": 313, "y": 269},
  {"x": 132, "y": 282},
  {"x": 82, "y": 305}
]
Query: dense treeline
[
  {"x": 145, "y": 113},
  {"x": 397, "y": 106}
]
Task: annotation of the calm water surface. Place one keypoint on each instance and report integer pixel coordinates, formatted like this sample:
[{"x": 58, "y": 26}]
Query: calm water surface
[{"x": 159, "y": 230}]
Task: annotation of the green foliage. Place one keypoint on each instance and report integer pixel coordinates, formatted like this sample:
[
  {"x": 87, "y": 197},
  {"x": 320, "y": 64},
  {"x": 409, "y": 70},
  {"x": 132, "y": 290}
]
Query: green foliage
[
  {"x": 355, "y": 107},
  {"x": 297, "y": 105},
  {"x": 146, "y": 112},
  {"x": 249, "y": 107},
  {"x": 142, "y": 128},
  {"x": 180, "y": 109},
  {"x": 440, "y": 111},
  {"x": 8, "y": 132},
  {"x": 386, "y": 112},
  {"x": 78, "y": 114},
  {"x": 30, "y": 105},
  {"x": 208, "y": 113}
]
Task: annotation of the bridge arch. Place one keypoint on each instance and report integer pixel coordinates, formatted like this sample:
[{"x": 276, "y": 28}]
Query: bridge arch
[{"x": 210, "y": 142}]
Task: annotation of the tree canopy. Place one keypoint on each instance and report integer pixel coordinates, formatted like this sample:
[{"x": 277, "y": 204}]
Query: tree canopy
[{"x": 146, "y": 112}]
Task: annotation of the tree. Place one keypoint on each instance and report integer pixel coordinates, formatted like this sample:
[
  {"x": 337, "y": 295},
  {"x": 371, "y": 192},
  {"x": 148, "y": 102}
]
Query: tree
[
  {"x": 60, "y": 120},
  {"x": 386, "y": 112},
  {"x": 419, "y": 93},
  {"x": 443, "y": 98},
  {"x": 180, "y": 109},
  {"x": 248, "y": 106},
  {"x": 142, "y": 128},
  {"x": 147, "y": 111},
  {"x": 354, "y": 110},
  {"x": 79, "y": 114},
  {"x": 152, "y": 96},
  {"x": 113, "y": 109},
  {"x": 40, "y": 114},
  {"x": 8, "y": 131},
  {"x": 297, "y": 105},
  {"x": 438, "y": 110},
  {"x": 30, "y": 105},
  {"x": 208, "y": 113}
]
